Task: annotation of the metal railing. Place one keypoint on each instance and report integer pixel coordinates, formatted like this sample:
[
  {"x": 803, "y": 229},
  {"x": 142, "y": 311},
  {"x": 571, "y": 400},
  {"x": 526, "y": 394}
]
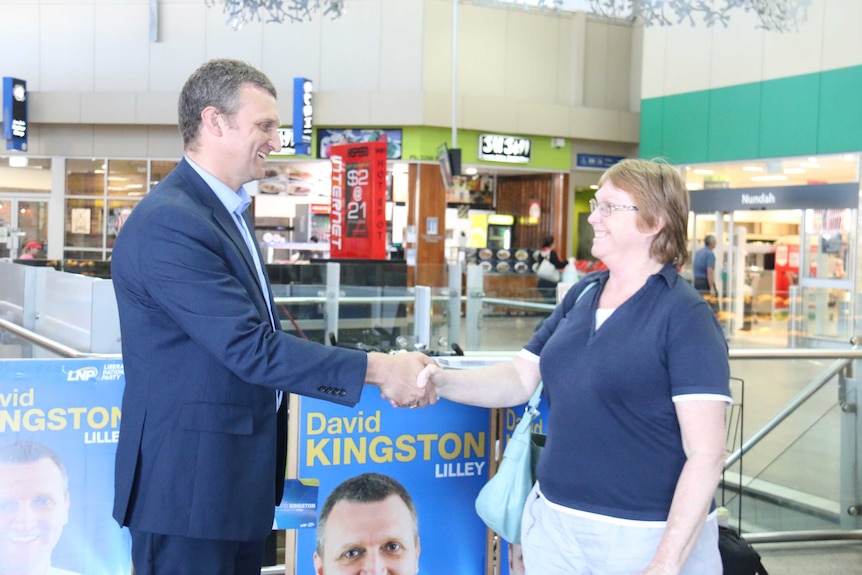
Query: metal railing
[{"x": 842, "y": 368}]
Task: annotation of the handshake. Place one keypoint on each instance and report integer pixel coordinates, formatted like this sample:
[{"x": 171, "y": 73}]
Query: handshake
[{"x": 405, "y": 379}]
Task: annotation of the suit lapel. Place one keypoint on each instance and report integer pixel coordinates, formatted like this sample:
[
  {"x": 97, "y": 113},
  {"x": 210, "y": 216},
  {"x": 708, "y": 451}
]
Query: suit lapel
[{"x": 226, "y": 222}]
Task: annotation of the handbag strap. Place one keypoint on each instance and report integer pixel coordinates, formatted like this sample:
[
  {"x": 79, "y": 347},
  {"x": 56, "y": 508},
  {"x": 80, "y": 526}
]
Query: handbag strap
[
  {"x": 536, "y": 398},
  {"x": 533, "y": 404}
]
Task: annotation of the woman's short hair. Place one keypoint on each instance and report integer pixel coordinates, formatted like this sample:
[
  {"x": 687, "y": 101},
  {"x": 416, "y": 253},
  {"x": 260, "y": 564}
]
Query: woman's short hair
[
  {"x": 547, "y": 241},
  {"x": 659, "y": 192}
]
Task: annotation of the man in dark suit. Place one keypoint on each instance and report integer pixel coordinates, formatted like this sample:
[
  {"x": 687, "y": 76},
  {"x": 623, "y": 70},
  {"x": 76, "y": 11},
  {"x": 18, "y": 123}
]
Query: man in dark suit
[{"x": 201, "y": 453}]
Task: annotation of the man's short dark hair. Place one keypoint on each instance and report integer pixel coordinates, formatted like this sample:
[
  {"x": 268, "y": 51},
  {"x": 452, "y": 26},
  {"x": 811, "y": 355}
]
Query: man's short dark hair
[
  {"x": 29, "y": 451},
  {"x": 216, "y": 83},
  {"x": 709, "y": 240},
  {"x": 364, "y": 488}
]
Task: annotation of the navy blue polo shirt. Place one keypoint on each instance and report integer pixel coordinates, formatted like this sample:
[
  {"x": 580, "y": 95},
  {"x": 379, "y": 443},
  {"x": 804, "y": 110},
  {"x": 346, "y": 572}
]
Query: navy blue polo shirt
[{"x": 614, "y": 445}]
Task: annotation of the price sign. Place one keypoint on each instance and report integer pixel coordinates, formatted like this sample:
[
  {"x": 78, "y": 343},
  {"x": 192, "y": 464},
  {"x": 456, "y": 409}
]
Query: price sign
[{"x": 358, "y": 204}]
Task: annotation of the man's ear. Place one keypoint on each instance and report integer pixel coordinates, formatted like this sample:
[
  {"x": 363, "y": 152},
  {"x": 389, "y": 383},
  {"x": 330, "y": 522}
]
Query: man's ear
[
  {"x": 318, "y": 564},
  {"x": 211, "y": 120},
  {"x": 418, "y": 552}
]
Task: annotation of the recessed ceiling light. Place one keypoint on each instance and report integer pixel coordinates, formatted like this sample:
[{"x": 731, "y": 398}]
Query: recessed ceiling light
[{"x": 471, "y": 171}]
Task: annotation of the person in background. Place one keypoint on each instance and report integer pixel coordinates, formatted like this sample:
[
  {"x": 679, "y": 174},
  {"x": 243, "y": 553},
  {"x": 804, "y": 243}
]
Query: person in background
[
  {"x": 30, "y": 251},
  {"x": 637, "y": 378},
  {"x": 200, "y": 461},
  {"x": 368, "y": 524},
  {"x": 547, "y": 287},
  {"x": 703, "y": 267},
  {"x": 34, "y": 507}
]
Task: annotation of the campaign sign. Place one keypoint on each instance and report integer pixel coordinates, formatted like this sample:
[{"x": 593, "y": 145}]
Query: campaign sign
[
  {"x": 15, "y": 113},
  {"x": 357, "y": 221},
  {"x": 298, "y": 507},
  {"x": 438, "y": 454},
  {"x": 67, "y": 413}
]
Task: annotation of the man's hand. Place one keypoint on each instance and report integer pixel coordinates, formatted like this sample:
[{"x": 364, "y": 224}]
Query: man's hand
[{"x": 397, "y": 376}]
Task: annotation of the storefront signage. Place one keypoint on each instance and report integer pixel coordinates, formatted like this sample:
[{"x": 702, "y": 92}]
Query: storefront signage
[
  {"x": 815, "y": 196},
  {"x": 288, "y": 147},
  {"x": 597, "y": 161},
  {"x": 302, "y": 113},
  {"x": 358, "y": 200},
  {"x": 327, "y": 138},
  {"x": 510, "y": 149},
  {"x": 15, "y": 113}
]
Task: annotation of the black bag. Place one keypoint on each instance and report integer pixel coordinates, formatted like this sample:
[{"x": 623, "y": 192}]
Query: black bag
[{"x": 738, "y": 557}]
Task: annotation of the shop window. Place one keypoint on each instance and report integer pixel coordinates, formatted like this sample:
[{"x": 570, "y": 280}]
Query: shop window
[
  {"x": 80, "y": 255},
  {"x": 127, "y": 178},
  {"x": 159, "y": 169},
  {"x": 84, "y": 223},
  {"x": 118, "y": 212},
  {"x": 85, "y": 177}
]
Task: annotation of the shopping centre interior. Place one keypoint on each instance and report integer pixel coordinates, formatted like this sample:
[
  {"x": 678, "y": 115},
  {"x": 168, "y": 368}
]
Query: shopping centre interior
[{"x": 487, "y": 152}]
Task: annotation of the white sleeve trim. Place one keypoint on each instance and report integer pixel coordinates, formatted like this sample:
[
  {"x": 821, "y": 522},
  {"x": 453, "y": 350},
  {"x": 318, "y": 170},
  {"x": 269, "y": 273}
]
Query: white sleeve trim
[
  {"x": 528, "y": 355},
  {"x": 702, "y": 397}
]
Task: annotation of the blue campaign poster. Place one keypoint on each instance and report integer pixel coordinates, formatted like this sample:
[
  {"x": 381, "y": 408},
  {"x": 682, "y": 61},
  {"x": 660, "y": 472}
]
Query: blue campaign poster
[
  {"x": 439, "y": 454},
  {"x": 72, "y": 408}
]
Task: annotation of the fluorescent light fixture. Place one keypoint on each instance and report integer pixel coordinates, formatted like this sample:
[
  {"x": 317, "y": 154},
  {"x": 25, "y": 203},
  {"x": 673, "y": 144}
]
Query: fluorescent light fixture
[
  {"x": 809, "y": 164},
  {"x": 18, "y": 161},
  {"x": 768, "y": 178},
  {"x": 752, "y": 168},
  {"x": 790, "y": 171}
]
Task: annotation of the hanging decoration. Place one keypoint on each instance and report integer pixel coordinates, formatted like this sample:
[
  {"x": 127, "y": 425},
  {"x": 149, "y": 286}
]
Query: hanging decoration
[
  {"x": 240, "y": 12},
  {"x": 774, "y": 15}
]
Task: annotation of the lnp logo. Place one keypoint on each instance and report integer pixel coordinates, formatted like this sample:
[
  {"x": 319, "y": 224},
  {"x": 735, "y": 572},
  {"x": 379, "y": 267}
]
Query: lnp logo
[{"x": 82, "y": 374}]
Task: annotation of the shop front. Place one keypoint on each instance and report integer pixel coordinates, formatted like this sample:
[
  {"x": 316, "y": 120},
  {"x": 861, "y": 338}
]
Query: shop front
[
  {"x": 507, "y": 194},
  {"x": 762, "y": 213}
]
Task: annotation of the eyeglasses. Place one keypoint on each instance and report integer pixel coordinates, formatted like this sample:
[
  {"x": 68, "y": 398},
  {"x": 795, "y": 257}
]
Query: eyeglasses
[{"x": 605, "y": 210}]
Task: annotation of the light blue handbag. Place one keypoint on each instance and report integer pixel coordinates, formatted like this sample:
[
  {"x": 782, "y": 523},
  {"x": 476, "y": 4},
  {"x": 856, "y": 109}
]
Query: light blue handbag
[{"x": 500, "y": 503}]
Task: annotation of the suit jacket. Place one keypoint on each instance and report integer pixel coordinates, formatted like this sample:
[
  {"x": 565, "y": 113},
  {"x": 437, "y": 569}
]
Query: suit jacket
[{"x": 197, "y": 452}]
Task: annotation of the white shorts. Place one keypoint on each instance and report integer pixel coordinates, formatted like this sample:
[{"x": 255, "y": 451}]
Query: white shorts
[{"x": 559, "y": 543}]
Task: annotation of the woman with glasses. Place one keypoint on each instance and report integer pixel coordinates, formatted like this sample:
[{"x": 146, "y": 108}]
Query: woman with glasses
[{"x": 636, "y": 377}]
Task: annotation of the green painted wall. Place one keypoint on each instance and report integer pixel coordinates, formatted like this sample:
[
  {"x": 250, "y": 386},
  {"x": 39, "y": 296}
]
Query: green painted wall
[{"x": 802, "y": 115}]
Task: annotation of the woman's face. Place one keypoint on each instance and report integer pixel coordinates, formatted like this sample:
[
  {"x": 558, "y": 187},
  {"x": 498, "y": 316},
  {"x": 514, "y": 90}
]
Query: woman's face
[{"x": 618, "y": 237}]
